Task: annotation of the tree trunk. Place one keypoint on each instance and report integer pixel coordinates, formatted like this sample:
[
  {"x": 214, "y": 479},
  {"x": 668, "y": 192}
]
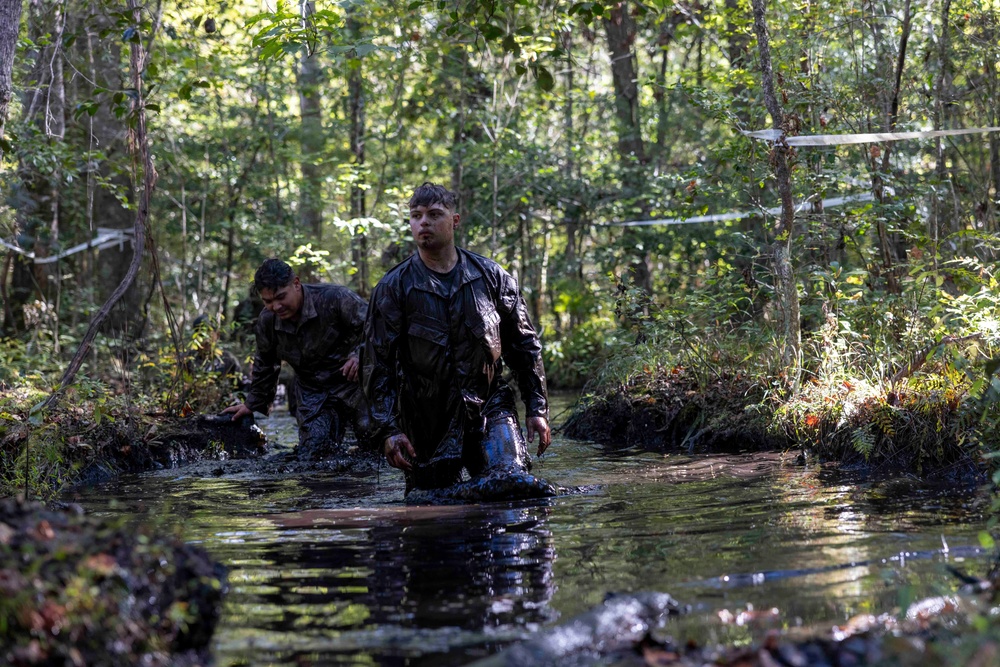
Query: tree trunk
[
  {"x": 738, "y": 53},
  {"x": 786, "y": 290},
  {"x": 940, "y": 93},
  {"x": 621, "y": 32},
  {"x": 356, "y": 94},
  {"x": 886, "y": 242},
  {"x": 10, "y": 22},
  {"x": 36, "y": 196},
  {"x": 310, "y": 80}
]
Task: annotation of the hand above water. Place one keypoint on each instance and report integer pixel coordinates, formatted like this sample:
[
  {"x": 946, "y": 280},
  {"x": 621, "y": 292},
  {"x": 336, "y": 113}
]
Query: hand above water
[
  {"x": 399, "y": 452},
  {"x": 350, "y": 368},
  {"x": 238, "y": 411},
  {"x": 540, "y": 425}
]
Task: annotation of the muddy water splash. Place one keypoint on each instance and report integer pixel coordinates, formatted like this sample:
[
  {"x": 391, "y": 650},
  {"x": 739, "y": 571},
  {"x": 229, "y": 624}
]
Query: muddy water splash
[{"x": 331, "y": 568}]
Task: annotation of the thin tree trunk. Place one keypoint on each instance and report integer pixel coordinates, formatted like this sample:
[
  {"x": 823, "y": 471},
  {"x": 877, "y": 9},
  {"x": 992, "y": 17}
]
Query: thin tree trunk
[
  {"x": 940, "y": 92},
  {"x": 139, "y": 147},
  {"x": 738, "y": 53},
  {"x": 785, "y": 287},
  {"x": 359, "y": 240},
  {"x": 878, "y": 186}
]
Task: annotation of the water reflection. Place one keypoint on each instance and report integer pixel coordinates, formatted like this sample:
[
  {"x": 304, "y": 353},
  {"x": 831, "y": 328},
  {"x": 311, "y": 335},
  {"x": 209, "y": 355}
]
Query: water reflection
[{"x": 338, "y": 585}]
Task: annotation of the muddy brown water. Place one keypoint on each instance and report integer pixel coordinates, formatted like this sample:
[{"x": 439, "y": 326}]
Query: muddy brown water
[{"x": 334, "y": 569}]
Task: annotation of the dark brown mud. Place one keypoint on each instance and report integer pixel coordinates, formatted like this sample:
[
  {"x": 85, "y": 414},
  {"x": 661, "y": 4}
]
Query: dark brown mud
[
  {"x": 676, "y": 417},
  {"x": 679, "y": 417},
  {"x": 170, "y": 443}
]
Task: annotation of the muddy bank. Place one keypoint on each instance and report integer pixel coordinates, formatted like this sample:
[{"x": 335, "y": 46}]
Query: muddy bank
[
  {"x": 676, "y": 416},
  {"x": 170, "y": 443},
  {"x": 865, "y": 435},
  {"x": 75, "y": 590}
]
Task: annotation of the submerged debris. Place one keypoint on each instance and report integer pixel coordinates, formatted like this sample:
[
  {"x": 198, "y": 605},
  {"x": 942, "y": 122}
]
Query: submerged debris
[
  {"x": 628, "y": 631},
  {"x": 616, "y": 624}
]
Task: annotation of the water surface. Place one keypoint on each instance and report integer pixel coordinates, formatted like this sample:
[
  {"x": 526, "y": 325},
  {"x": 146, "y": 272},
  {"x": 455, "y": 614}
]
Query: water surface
[{"x": 333, "y": 569}]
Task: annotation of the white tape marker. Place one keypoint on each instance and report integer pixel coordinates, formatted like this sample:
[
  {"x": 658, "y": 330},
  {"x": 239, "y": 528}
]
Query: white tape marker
[
  {"x": 846, "y": 139},
  {"x": 106, "y": 238},
  {"x": 739, "y": 215}
]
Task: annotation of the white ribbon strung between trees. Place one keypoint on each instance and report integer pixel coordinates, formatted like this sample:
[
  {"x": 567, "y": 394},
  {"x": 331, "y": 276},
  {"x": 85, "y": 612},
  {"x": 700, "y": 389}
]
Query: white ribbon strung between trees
[
  {"x": 847, "y": 139},
  {"x": 739, "y": 215},
  {"x": 809, "y": 140},
  {"x": 106, "y": 238}
]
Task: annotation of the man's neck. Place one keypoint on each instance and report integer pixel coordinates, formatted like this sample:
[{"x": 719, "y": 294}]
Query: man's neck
[{"x": 441, "y": 261}]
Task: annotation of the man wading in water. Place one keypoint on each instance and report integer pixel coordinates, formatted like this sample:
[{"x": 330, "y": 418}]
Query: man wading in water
[
  {"x": 438, "y": 325},
  {"x": 317, "y": 330}
]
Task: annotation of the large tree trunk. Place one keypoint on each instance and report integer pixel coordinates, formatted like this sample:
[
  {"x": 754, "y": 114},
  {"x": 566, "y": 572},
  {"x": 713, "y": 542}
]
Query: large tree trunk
[
  {"x": 621, "y": 33},
  {"x": 10, "y": 22},
  {"x": 786, "y": 291},
  {"x": 310, "y": 81}
]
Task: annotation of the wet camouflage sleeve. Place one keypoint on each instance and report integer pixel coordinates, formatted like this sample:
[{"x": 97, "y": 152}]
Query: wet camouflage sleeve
[
  {"x": 380, "y": 359},
  {"x": 266, "y": 367},
  {"x": 522, "y": 350},
  {"x": 353, "y": 310}
]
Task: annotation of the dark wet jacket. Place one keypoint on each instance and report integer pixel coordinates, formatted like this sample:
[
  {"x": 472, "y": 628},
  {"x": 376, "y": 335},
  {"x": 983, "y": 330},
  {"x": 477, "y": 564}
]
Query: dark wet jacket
[
  {"x": 316, "y": 347},
  {"x": 433, "y": 363}
]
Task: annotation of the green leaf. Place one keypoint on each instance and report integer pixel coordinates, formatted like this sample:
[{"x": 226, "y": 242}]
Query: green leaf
[
  {"x": 986, "y": 540},
  {"x": 544, "y": 78},
  {"x": 36, "y": 414},
  {"x": 491, "y": 32}
]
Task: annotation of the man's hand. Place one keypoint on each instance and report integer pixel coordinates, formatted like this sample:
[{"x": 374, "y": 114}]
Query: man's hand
[
  {"x": 540, "y": 425},
  {"x": 238, "y": 411},
  {"x": 350, "y": 368},
  {"x": 399, "y": 452}
]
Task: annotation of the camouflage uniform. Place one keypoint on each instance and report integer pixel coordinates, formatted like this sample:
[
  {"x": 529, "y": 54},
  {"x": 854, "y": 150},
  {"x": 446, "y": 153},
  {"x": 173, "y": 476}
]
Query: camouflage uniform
[
  {"x": 316, "y": 347},
  {"x": 432, "y": 368}
]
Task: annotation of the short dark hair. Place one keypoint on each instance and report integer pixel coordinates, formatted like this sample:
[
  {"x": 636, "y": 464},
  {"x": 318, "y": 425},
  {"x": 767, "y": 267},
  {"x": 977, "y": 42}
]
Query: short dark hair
[
  {"x": 431, "y": 193},
  {"x": 273, "y": 274}
]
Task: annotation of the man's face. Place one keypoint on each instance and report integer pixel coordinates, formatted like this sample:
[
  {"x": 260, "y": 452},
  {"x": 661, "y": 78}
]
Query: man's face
[
  {"x": 433, "y": 226},
  {"x": 285, "y": 302}
]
